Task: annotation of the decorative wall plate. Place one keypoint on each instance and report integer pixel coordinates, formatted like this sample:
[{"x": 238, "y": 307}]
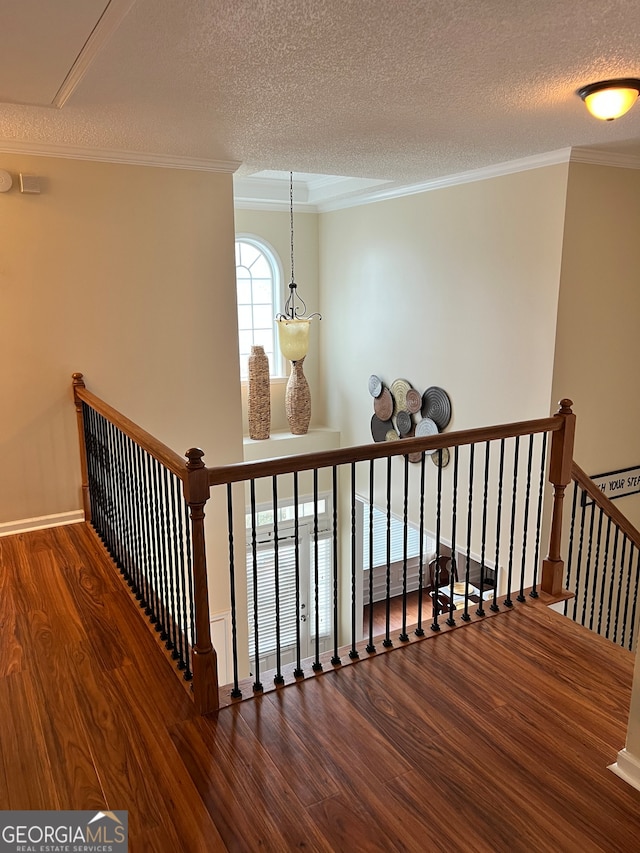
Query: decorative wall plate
[
  {"x": 375, "y": 385},
  {"x": 379, "y": 429},
  {"x": 404, "y": 422},
  {"x": 437, "y": 406},
  {"x": 392, "y": 435},
  {"x": 441, "y": 457},
  {"x": 383, "y": 405},
  {"x": 399, "y": 388},
  {"x": 414, "y": 401},
  {"x": 424, "y": 428}
]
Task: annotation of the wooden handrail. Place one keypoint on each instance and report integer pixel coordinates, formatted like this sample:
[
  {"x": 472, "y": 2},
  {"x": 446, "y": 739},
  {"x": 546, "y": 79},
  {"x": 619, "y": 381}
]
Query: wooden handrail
[
  {"x": 167, "y": 457},
  {"x": 327, "y": 458},
  {"x": 605, "y": 504}
]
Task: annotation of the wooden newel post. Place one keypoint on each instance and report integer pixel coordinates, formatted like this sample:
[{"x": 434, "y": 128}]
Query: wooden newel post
[
  {"x": 205, "y": 659},
  {"x": 560, "y": 475},
  {"x": 78, "y": 382}
]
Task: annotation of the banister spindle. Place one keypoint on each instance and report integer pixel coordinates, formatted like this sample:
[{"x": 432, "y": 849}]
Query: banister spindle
[
  {"x": 205, "y": 669},
  {"x": 560, "y": 476}
]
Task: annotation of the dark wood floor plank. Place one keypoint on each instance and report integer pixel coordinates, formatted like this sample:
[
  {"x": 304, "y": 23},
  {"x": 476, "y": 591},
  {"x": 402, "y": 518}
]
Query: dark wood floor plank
[
  {"x": 180, "y": 805},
  {"x": 26, "y": 779},
  {"x": 11, "y": 653},
  {"x": 489, "y": 739},
  {"x": 227, "y": 789},
  {"x": 293, "y": 755},
  {"x": 51, "y": 655}
]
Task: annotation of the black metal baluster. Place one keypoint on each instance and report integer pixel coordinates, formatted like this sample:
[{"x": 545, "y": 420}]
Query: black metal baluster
[
  {"x": 335, "y": 660},
  {"x": 404, "y": 637},
  {"x": 172, "y": 554},
  {"x": 611, "y": 581},
  {"x": 483, "y": 545},
  {"x": 387, "y": 643},
  {"x": 626, "y": 598},
  {"x": 619, "y": 597},
  {"x": 536, "y": 557},
  {"x": 257, "y": 685},
  {"x": 166, "y": 567},
  {"x": 317, "y": 666},
  {"x": 163, "y": 559},
  {"x": 182, "y": 580},
  {"x": 465, "y": 616},
  {"x": 604, "y": 575},
  {"x": 454, "y": 515},
  {"x": 130, "y": 508},
  {"x": 571, "y": 532},
  {"x": 579, "y": 560},
  {"x": 516, "y": 453},
  {"x": 525, "y": 521},
  {"x": 151, "y": 548},
  {"x": 353, "y": 652},
  {"x": 370, "y": 646},
  {"x": 494, "y": 604},
  {"x": 587, "y": 573},
  {"x": 187, "y": 577},
  {"x": 596, "y": 565},
  {"x": 419, "y": 632},
  {"x": 143, "y": 514},
  {"x": 236, "y": 693},
  {"x": 116, "y": 496},
  {"x": 134, "y": 514},
  {"x": 298, "y": 672},
  {"x": 635, "y": 601},
  {"x": 177, "y": 505},
  {"x": 438, "y": 536},
  {"x": 121, "y": 509},
  {"x": 278, "y": 678},
  {"x": 158, "y": 537}
]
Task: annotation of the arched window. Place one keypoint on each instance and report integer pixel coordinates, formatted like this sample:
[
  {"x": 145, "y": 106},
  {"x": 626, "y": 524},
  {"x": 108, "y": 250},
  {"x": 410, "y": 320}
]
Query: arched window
[{"x": 258, "y": 291}]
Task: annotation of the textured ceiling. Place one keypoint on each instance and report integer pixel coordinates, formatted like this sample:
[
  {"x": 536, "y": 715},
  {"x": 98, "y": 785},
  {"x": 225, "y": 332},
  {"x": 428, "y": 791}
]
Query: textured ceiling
[{"x": 402, "y": 90}]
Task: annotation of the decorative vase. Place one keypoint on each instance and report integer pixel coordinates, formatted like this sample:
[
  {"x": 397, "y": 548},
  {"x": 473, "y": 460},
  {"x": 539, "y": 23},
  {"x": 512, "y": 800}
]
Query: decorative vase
[
  {"x": 259, "y": 396},
  {"x": 298, "y": 399}
]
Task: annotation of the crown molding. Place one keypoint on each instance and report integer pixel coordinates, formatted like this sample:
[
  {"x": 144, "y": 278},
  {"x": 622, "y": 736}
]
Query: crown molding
[
  {"x": 524, "y": 164},
  {"x": 133, "y": 158},
  {"x": 594, "y": 157},
  {"x": 109, "y": 22}
]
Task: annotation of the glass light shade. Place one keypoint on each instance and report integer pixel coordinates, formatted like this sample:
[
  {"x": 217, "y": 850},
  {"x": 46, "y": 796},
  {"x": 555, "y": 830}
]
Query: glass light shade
[
  {"x": 608, "y": 104},
  {"x": 293, "y": 337}
]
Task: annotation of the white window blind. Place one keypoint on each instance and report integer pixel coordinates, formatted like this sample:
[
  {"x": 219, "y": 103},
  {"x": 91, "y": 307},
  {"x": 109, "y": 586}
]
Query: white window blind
[{"x": 397, "y": 539}]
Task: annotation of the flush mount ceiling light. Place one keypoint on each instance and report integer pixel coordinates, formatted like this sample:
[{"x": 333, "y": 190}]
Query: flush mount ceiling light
[{"x": 611, "y": 98}]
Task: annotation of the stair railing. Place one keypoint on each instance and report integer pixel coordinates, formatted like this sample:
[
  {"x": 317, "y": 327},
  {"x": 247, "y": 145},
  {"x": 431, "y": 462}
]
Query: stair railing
[
  {"x": 146, "y": 503},
  {"x": 603, "y": 564}
]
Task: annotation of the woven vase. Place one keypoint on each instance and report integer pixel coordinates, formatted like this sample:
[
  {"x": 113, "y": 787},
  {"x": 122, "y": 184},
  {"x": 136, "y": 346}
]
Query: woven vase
[
  {"x": 259, "y": 396},
  {"x": 298, "y": 399}
]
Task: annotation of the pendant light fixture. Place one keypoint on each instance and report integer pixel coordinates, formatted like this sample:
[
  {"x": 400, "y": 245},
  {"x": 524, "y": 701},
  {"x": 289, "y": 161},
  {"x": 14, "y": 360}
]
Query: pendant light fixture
[
  {"x": 610, "y": 99},
  {"x": 293, "y": 338}
]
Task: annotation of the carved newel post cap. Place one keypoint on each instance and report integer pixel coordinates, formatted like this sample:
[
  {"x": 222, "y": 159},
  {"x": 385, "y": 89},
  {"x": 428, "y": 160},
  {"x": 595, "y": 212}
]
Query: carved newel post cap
[
  {"x": 565, "y": 406},
  {"x": 194, "y": 455},
  {"x": 78, "y": 379}
]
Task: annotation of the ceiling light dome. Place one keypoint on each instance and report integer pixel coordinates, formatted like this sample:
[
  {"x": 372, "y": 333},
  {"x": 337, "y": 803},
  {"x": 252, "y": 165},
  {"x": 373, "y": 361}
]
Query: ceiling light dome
[{"x": 611, "y": 98}]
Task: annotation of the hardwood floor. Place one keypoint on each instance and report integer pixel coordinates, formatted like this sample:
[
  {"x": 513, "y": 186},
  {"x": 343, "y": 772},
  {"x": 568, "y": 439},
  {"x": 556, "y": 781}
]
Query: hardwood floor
[{"x": 491, "y": 738}]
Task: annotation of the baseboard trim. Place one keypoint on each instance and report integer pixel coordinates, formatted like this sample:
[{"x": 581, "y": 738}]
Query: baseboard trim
[
  {"x": 41, "y": 522},
  {"x": 627, "y": 767}
]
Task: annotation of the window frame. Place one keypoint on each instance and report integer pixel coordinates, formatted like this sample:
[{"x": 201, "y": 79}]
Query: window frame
[{"x": 277, "y": 368}]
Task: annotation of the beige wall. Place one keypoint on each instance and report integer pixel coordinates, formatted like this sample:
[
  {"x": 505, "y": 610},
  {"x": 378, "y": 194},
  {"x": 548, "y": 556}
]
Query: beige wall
[
  {"x": 597, "y": 349},
  {"x": 456, "y": 287},
  {"x": 127, "y": 274},
  {"x": 274, "y": 227}
]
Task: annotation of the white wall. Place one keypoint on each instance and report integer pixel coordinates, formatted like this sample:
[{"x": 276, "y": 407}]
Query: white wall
[{"x": 597, "y": 349}]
